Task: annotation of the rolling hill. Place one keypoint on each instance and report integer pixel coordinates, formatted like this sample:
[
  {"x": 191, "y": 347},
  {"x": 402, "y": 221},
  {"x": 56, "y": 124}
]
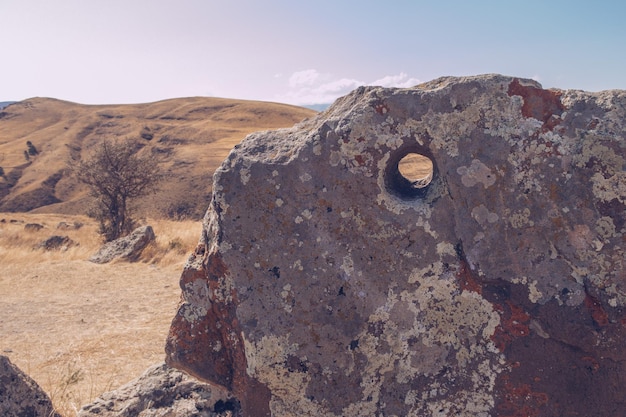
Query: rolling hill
[{"x": 193, "y": 135}]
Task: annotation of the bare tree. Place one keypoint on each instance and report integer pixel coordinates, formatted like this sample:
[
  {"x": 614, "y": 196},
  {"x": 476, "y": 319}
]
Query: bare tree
[{"x": 117, "y": 172}]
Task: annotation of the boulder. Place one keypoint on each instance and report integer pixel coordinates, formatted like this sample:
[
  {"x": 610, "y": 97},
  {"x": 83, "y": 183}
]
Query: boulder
[
  {"x": 56, "y": 242},
  {"x": 456, "y": 248},
  {"x": 163, "y": 391},
  {"x": 33, "y": 227},
  {"x": 127, "y": 247},
  {"x": 69, "y": 226},
  {"x": 20, "y": 396}
]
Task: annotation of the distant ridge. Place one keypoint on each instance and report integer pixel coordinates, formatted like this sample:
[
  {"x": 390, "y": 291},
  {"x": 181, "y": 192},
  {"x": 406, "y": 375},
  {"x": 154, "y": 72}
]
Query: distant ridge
[
  {"x": 3, "y": 104},
  {"x": 193, "y": 135},
  {"x": 318, "y": 107}
]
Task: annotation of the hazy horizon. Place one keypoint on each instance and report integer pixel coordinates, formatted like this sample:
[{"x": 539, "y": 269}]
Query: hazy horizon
[{"x": 119, "y": 52}]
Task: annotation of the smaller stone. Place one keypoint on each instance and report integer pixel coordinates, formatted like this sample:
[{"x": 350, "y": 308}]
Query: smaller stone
[
  {"x": 33, "y": 227},
  {"x": 56, "y": 242},
  {"x": 68, "y": 226},
  {"x": 127, "y": 247},
  {"x": 20, "y": 395},
  {"x": 164, "y": 391}
]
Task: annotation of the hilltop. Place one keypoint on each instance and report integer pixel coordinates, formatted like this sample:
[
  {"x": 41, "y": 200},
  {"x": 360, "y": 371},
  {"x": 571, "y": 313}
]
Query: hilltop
[{"x": 193, "y": 135}]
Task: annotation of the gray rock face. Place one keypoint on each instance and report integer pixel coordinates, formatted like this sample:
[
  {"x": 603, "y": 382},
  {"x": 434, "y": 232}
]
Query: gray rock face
[
  {"x": 332, "y": 280},
  {"x": 127, "y": 247},
  {"x": 162, "y": 392},
  {"x": 20, "y": 396}
]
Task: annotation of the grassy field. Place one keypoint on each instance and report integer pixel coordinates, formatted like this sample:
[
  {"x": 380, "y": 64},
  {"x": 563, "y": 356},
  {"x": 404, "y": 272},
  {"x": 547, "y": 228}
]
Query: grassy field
[{"x": 78, "y": 328}]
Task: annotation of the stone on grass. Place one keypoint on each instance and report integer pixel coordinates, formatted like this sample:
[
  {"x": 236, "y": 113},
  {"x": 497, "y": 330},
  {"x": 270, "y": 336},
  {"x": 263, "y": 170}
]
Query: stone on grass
[
  {"x": 69, "y": 226},
  {"x": 20, "y": 396},
  {"x": 487, "y": 281},
  {"x": 163, "y": 391},
  {"x": 127, "y": 248},
  {"x": 33, "y": 227},
  {"x": 56, "y": 242}
]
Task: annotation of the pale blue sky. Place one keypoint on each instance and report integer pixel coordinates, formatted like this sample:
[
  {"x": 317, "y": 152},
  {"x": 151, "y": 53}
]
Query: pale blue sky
[{"x": 296, "y": 51}]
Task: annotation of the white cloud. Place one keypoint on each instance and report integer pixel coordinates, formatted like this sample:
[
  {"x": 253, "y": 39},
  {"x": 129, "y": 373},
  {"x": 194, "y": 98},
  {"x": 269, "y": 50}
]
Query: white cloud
[
  {"x": 341, "y": 86},
  {"x": 306, "y": 77},
  {"x": 401, "y": 81},
  {"x": 312, "y": 87}
]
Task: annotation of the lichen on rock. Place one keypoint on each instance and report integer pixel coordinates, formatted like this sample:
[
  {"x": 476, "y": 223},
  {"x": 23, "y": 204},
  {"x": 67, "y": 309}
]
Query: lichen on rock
[{"x": 329, "y": 284}]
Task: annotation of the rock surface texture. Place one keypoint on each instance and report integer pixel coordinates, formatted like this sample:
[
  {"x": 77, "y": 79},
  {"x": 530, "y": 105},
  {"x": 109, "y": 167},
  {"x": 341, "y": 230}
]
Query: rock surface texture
[
  {"x": 163, "y": 392},
  {"x": 20, "y": 396},
  {"x": 326, "y": 283},
  {"x": 127, "y": 247}
]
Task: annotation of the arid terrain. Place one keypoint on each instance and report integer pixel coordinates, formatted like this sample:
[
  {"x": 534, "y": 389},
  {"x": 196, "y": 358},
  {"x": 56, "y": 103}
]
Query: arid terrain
[
  {"x": 192, "y": 136},
  {"x": 78, "y": 328}
]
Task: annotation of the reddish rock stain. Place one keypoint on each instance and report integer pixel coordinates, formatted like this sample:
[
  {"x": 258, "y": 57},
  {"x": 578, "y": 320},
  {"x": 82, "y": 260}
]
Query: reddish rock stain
[
  {"x": 599, "y": 316},
  {"x": 190, "y": 349},
  {"x": 467, "y": 280},
  {"x": 538, "y": 103},
  {"x": 514, "y": 323},
  {"x": 519, "y": 400}
]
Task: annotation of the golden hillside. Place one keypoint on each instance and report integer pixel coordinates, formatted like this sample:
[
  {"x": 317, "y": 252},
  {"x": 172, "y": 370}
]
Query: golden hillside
[{"x": 193, "y": 135}]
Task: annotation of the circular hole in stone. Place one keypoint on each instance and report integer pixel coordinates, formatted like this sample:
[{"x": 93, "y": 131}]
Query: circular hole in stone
[
  {"x": 417, "y": 169},
  {"x": 408, "y": 174}
]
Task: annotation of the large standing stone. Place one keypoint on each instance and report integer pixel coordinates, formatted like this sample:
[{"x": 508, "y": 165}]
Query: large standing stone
[
  {"x": 328, "y": 283},
  {"x": 20, "y": 396}
]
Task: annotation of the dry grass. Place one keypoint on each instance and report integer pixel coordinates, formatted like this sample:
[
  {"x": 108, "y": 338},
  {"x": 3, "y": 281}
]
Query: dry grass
[
  {"x": 193, "y": 135},
  {"x": 78, "y": 328}
]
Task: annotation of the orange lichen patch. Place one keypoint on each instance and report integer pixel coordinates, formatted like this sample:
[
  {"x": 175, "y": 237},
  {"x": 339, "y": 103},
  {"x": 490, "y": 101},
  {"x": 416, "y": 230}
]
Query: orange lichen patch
[
  {"x": 514, "y": 323},
  {"x": 519, "y": 400},
  {"x": 538, "y": 103},
  {"x": 599, "y": 316}
]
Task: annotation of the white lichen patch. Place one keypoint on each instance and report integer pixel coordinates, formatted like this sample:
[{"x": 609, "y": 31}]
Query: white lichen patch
[
  {"x": 520, "y": 218},
  {"x": 534, "y": 295},
  {"x": 483, "y": 216},
  {"x": 305, "y": 177},
  {"x": 297, "y": 265},
  {"x": 287, "y": 296},
  {"x": 606, "y": 228},
  {"x": 442, "y": 322},
  {"x": 446, "y": 248},
  {"x": 223, "y": 292},
  {"x": 244, "y": 172},
  {"x": 220, "y": 200},
  {"x": 266, "y": 361},
  {"x": 446, "y": 129},
  {"x": 476, "y": 173},
  {"x": 347, "y": 266},
  {"x": 197, "y": 300},
  {"x": 609, "y": 188}
]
